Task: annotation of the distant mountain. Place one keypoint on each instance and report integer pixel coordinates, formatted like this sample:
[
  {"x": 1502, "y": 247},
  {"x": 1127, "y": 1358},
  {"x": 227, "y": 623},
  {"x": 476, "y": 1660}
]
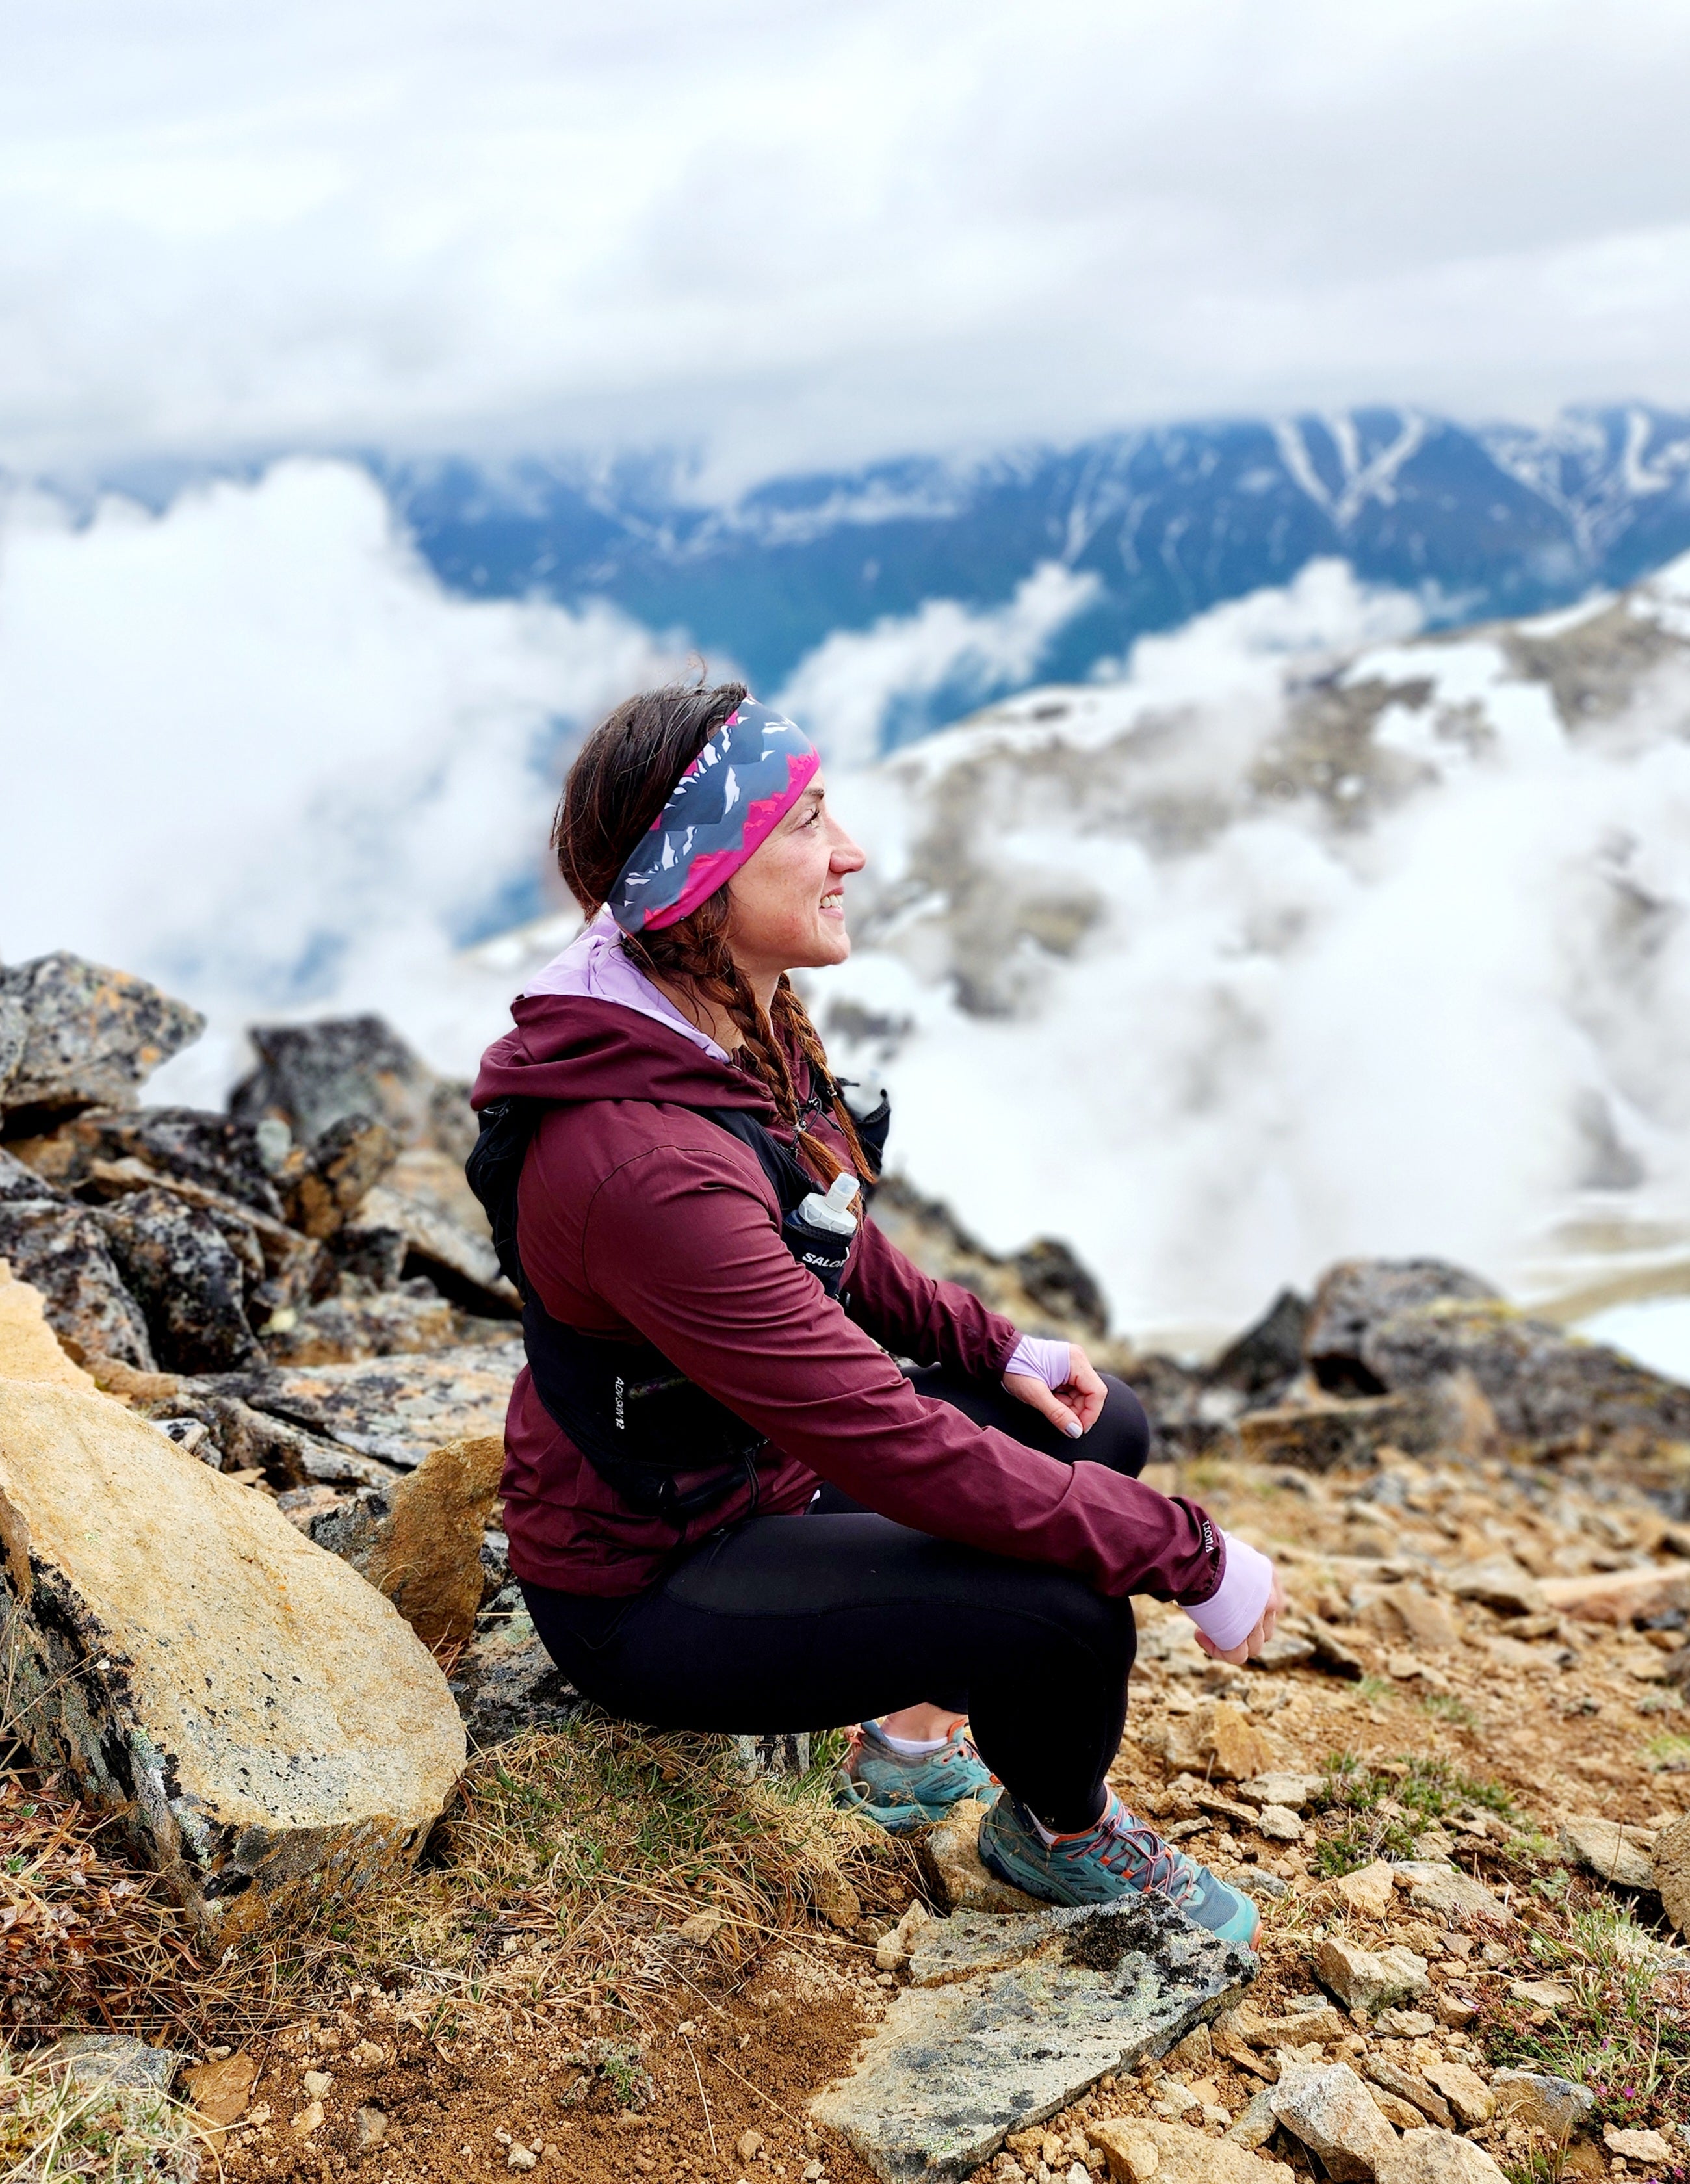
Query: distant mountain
[{"x": 1478, "y": 522}]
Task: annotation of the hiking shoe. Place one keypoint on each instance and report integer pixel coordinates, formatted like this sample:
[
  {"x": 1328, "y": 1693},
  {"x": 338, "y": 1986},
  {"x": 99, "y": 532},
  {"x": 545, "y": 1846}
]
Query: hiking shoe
[
  {"x": 903, "y": 1793},
  {"x": 1119, "y": 1857}
]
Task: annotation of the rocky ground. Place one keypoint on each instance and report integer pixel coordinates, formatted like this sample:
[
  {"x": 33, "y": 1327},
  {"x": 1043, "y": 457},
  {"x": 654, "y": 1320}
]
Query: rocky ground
[{"x": 1457, "y": 1785}]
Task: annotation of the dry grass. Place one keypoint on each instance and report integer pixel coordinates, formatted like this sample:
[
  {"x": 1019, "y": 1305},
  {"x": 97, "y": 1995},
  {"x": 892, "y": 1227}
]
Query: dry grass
[
  {"x": 52, "y": 2128},
  {"x": 569, "y": 1860}
]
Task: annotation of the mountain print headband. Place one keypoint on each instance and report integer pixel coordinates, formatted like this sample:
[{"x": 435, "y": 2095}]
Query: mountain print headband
[{"x": 726, "y": 804}]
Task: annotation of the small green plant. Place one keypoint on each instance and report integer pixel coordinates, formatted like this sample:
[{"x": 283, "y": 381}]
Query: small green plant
[
  {"x": 1379, "y": 1815},
  {"x": 1668, "y": 1754},
  {"x": 1373, "y": 1689},
  {"x": 1444, "y": 1706},
  {"x": 52, "y": 2129}
]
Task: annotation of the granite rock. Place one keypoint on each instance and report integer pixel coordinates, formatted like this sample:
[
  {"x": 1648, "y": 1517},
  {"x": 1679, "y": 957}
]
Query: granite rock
[
  {"x": 505, "y": 1682},
  {"x": 419, "y": 1544},
  {"x": 182, "y": 1266},
  {"x": 394, "y": 1409},
  {"x": 29, "y": 1348},
  {"x": 190, "y": 1145},
  {"x": 1611, "y": 1849},
  {"x": 61, "y": 1249},
  {"x": 1437, "y": 2157},
  {"x": 324, "y": 1183},
  {"x": 1466, "y": 2091},
  {"x": 953, "y": 2068},
  {"x": 1337, "y": 1434},
  {"x": 91, "y": 1037},
  {"x": 310, "y": 1075},
  {"x": 1498, "y": 1582},
  {"x": 346, "y": 1328},
  {"x": 1448, "y": 1892},
  {"x": 462, "y": 1266},
  {"x": 1138, "y": 2148},
  {"x": 115, "y": 2061},
  {"x": 1363, "y": 1979},
  {"x": 1545, "y": 2102},
  {"x": 254, "y": 1716},
  {"x": 1331, "y": 2111}
]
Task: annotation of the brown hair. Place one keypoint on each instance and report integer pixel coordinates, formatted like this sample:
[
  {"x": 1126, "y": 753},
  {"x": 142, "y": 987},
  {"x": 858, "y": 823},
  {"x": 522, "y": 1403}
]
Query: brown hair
[{"x": 620, "y": 781}]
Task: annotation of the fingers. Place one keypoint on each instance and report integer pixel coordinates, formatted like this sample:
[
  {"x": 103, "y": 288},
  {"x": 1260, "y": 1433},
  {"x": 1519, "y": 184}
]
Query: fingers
[{"x": 1037, "y": 1396}]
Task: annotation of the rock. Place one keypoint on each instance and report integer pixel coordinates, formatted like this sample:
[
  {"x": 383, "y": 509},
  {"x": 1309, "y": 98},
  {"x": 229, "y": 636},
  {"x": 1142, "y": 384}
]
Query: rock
[
  {"x": 1279, "y": 1824},
  {"x": 1279, "y": 1787},
  {"x": 952, "y": 2069},
  {"x": 1395, "y": 2110},
  {"x": 835, "y": 1898},
  {"x": 372, "y": 2127},
  {"x": 1333, "y": 1436},
  {"x": 1671, "y": 1861},
  {"x": 505, "y": 1683},
  {"x": 1448, "y": 1892},
  {"x": 1330, "y": 1652},
  {"x": 1283, "y": 1650},
  {"x": 1367, "y": 1890},
  {"x": 1543, "y": 2102},
  {"x": 703, "y": 1927},
  {"x": 777, "y": 1751},
  {"x": 462, "y": 1266},
  {"x": 115, "y": 2061},
  {"x": 1419, "y": 2096},
  {"x": 1295, "y": 2029},
  {"x": 1650, "y": 2145},
  {"x": 181, "y": 1266},
  {"x": 1378, "y": 1326},
  {"x": 1357, "y": 1297},
  {"x": 421, "y": 1542},
  {"x": 750, "y": 2145},
  {"x": 963, "y": 1883},
  {"x": 314, "y": 2084},
  {"x": 29, "y": 1348},
  {"x": 1405, "y": 2023},
  {"x": 1364, "y": 1980},
  {"x": 1424, "y": 1619},
  {"x": 1464, "y": 2090},
  {"x": 1610, "y": 1850},
  {"x": 255, "y": 1715},
  {"x": 1257, "y": 2124},
  {"x": 1138, "y": 2148},
  {"x": 1540, "y": 1994},
  {"x": 1331, "y": 2111},
  {"x": 60, "y": 1249},
  {"x": 1437, "y": 2157},
  {"x": 1269, "y": 1354},
  {"x": 281, "y": 1265},
  {"x": 189, "y": 1144},
  {"x": 1500, "y": 1583},
  {"x": 220, "y": 2090},
  {"x": 310, "y": 1075},
  {"x": 894, "y": 1946},
  {"x": 1220, "y": 1740},
  {"x": 395, "y": 1408},
  {"x": 308, "y": 2119},
  {"x": 91, "y": 1037},
  {"x": 326, "y": 1181},
  {"x": 343, "y": 1329}
]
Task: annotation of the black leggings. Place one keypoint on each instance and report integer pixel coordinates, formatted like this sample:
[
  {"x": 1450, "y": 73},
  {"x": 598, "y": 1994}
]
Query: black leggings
[{"x": 838, "y": 1615}]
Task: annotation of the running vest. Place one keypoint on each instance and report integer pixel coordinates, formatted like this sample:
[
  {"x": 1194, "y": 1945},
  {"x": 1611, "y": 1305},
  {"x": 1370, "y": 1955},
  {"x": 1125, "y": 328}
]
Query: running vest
[{"x": 638, "y": 1422}]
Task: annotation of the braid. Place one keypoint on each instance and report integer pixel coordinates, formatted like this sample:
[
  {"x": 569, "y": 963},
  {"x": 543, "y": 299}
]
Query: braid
[{"x": 791, "y": 1016}]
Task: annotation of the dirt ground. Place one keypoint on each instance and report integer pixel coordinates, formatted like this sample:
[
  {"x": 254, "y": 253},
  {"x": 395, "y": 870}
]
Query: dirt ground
[{"x": 1557, "y": 1715}]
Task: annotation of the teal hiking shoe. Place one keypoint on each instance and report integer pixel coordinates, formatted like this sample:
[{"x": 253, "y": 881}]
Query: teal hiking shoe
[
  {"x": 903, "y": 1793},
  {"x": 1119, "y": 1857}
]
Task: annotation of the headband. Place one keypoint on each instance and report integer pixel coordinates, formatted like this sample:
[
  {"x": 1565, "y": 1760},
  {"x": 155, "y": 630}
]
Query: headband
[{"x": 729, "y": 800}]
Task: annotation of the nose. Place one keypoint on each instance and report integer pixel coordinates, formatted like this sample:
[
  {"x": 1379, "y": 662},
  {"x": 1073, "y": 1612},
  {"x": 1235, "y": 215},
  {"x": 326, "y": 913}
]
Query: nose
[{"x": 844, "y": 856}]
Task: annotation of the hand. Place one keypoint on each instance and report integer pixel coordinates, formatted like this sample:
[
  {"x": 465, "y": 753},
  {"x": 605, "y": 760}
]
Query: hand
[
  {"x": 1075, "y": 1407},
  {"x": 1258, "y": 1639}
]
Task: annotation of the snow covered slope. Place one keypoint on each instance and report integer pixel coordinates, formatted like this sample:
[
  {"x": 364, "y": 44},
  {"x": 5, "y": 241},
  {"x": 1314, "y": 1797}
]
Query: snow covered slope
[{"x": 1256, "y": 958}]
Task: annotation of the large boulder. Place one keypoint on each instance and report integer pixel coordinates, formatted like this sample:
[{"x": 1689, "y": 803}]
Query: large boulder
[
  {"x": 260, "y": 1723},
  {"x": 420, "y": 1542},
  {"x": 62, "y": 1249},
  {"x": 191, "y": 1144},
  {"x": 309, "y": 1075},
  {"x": 1379, "y": 1326},
  {"x": 394, "y": 1409},
  {"x": 90, "y": 1037},
  {"x": 29, "y": 1348}
]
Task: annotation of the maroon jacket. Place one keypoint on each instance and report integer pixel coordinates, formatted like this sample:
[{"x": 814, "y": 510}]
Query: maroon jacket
[{"x": 639, "y": 1217}]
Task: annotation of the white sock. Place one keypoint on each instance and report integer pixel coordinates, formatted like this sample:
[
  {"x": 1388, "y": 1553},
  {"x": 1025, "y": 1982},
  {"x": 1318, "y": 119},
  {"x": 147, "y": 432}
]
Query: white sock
[{"x": 911, "y": 1747}]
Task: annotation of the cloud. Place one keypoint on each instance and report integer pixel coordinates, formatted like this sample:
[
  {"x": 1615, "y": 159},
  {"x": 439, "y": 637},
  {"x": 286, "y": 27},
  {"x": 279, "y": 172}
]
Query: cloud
[
  {"x": 253, "y": 749},
  {"x": 793, "y": 234},
  {"x": 859, "y": 689}
]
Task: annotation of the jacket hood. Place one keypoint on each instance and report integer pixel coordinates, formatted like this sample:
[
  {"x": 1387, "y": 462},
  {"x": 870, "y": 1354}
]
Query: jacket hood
[{"x": 570, "y": 1047}]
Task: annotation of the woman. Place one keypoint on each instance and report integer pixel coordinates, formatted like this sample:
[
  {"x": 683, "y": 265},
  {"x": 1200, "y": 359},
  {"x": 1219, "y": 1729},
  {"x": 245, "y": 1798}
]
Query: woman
[{"x": 728, "y": 1507}]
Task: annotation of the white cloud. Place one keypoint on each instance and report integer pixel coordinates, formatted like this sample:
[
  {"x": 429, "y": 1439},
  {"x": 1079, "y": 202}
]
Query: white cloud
[
  {"x": 847, "y": 690},
  {"x": 253, "y": 749},
  {"x": 814, "y": 233}
]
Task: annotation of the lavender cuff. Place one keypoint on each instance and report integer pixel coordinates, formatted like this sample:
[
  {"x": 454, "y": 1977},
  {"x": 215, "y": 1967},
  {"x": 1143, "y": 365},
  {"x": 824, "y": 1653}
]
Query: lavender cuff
[
  {"x": 1236, "y": 1605},
  {"x": 1040, "y": 1359}
]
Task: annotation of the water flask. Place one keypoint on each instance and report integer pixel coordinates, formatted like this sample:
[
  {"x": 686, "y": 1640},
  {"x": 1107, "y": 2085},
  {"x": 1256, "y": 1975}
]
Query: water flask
[{"x": 832, "y": 1212}]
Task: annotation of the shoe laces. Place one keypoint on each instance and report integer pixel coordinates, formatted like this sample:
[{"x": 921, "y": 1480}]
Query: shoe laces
[{"x": 1126, "y": 1846}]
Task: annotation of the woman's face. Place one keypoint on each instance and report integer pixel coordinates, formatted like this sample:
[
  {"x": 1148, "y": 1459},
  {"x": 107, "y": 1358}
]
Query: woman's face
[{"x": 786, "y": 902}]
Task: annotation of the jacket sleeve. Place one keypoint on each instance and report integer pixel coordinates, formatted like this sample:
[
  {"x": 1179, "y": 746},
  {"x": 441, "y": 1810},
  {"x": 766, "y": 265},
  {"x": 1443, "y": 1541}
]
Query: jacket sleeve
[
  {"x": 914, "y": 1316},
  {"x": 680, "y": 1243}
]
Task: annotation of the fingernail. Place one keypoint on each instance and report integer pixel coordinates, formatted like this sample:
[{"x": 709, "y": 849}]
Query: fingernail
[{"x": 1072, "y": 1428}]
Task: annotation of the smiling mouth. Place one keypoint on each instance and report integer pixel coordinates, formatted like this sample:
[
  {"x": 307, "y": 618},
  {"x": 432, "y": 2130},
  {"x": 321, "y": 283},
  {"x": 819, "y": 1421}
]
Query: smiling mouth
[{"x": 835, "y": 901}]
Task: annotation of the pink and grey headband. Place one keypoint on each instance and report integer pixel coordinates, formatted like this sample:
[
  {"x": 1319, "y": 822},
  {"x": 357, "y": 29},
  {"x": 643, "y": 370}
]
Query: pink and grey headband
[{"x": 727, "y": 804}]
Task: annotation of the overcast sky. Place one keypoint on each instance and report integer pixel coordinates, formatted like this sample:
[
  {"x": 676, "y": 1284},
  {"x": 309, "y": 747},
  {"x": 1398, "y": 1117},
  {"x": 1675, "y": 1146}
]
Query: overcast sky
[{"x": 797, "y": 233}]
